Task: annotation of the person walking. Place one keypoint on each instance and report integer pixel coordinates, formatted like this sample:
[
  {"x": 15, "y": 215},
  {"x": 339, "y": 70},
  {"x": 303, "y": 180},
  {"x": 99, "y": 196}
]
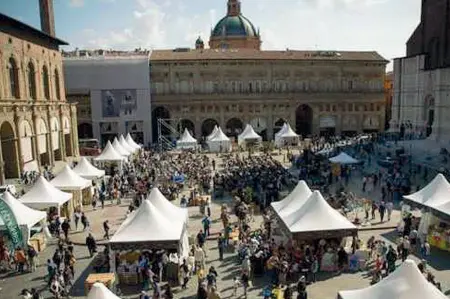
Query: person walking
[
  {"x": 389, "y": 209},
  {"x": 245, "y": 283},
  {"x": 32, "y": 256},
  {"x": 76, "y": 218},
  {"x": 91, "y": 244},
  {"x": 382, "y": 210},
  {"x": 220, "y": 246},
  {"x": 65, "y": 226},
  {"x": 106, "y": 229},
  {"x": 84, "y": 221}
]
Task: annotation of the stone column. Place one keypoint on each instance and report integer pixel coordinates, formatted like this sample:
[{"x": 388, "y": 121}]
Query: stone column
[
  {"x": 269, "y": 123},
  {"x": 18, "y": 145},
  {"x": 2, "y": 168},
  {"x": 35, "y": 141},
  {"x": 61, "y": 135}
]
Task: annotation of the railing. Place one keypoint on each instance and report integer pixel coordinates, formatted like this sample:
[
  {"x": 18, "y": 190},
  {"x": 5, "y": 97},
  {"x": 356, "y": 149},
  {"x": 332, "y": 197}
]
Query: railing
[{"x": 167, "y": 127}]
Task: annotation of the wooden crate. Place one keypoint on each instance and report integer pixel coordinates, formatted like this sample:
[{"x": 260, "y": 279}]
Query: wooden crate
[{"x": 108, "y": 279}]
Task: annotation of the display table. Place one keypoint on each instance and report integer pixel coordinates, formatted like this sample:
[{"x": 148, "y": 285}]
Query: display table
[
  {"x": 108, "y": 279},
  {"x": 199, "y": 200},
  {"x": 439, "y": 240}
]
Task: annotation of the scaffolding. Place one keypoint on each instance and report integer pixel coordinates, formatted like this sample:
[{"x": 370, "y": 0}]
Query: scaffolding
[{"x": 169, "y": 129}]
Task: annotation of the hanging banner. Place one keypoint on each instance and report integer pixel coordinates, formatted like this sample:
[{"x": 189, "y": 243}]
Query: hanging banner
[{"x": 13, "y": 229}]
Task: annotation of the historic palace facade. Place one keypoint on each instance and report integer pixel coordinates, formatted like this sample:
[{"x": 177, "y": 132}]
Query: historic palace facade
[
  {"x": 234, "y": 82},
  {"x": 37, "y": 125}
]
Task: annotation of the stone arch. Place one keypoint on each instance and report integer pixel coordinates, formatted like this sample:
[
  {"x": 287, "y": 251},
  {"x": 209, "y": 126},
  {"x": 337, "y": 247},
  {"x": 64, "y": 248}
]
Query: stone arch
[
  {"x": 42, "y": 141},
  {"x": 26, "y": 141},
  {"x": 187, "y": 124},
  {"x": 57, "y": 84},
  {"x": 45, "y": 82},
  {"x": 13, "y": 74},
  {"x": 303, "y": 120},
  {"x": 9, "y": 151},
  {"x": 234, "y": 127},
  {"x": 85, "y": 131},
  {"x": 31, "y": 75},
  {"x": 208, "y": 126},
  {"x": 67, "y": 132},
  {"x": 55, "y": 132},
  {"x": 260, "y": 126},
  {"x": 158, "y": 113}
]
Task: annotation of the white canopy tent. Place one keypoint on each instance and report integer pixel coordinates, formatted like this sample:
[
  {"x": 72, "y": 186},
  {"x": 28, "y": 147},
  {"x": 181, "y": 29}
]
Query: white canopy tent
[
  {"x": 86, "y": 170},
  {"x": 186, "y": 141},
  {"x": 125, "y": 145},
  {"x": 435, "y": 195},
  {"x": 131, "y": 142},
  {"x": 166, "y": 207},
  {"x": 294, "y": 200},
  {"x": 100, "y": 291},
  {"x": 119, "y": 148},
  {"x": 213, "y": 133},
  {"x": 219, "y": 142},
  {"x": 26, "y": 217},
  {"x": 44, "y": 195},
  {"x": 109, "y": 154},
  {"x": 406, "y": 282},
  {"x": 315, "y": 217},
  {"x": 68, "y": 180},
  {"x": 248, "y": 135},
  {"x": 286, "y": 136},
  {"x": 343, "y": 158}
]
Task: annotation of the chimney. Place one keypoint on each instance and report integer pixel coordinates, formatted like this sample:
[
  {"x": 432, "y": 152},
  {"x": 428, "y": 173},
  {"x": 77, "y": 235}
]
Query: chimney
[{"x": 47, "y": 17}]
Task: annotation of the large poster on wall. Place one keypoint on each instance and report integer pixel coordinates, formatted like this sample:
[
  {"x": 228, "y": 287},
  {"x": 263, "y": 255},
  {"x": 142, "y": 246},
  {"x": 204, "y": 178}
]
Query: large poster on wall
[{"x": 119, "y": 102}]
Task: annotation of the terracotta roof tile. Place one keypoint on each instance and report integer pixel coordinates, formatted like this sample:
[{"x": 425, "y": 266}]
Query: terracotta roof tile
[{"x": 248, "y": 54}]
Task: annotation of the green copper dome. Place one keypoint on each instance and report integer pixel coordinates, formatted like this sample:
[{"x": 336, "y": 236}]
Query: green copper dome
[{"x": 234, "y": 26}]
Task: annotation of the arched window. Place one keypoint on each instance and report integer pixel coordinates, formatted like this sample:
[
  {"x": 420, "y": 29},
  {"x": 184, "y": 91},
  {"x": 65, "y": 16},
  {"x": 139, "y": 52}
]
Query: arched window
[
  {"x": 57, "y": 87},
  {"x": 31, "y": 81},
  {"x": 45, "y": 82},
  {"x": 14, "y": 86}
]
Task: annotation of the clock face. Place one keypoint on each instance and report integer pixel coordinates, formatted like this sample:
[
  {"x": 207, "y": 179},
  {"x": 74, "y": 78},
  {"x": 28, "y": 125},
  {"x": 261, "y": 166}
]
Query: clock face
[{"x": 259, "y": 124}]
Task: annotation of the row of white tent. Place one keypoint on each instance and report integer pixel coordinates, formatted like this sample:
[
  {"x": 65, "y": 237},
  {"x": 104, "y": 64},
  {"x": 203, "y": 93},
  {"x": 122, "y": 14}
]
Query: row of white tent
[
  {"x": 119, "y": 150},
  {"x": 304, "y": 211}
]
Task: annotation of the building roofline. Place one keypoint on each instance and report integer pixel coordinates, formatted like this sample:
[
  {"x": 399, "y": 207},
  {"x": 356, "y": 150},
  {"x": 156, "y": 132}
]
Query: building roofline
[{"x": 25, "y": 27}]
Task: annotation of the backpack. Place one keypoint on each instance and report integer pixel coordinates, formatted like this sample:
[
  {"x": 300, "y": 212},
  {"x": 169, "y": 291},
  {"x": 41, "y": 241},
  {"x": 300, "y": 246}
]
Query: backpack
[{"x": 31, "y": 252}]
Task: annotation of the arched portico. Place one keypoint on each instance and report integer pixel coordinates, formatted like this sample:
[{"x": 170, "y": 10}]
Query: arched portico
[
  {"x": 303, "y": 120},
  {"x": 42, "y": 142},
  {"x": 208, "y": 126},
  {"x": 187, "y": 124},
  {"x": 67, "y": 132},
  {"x": 234, "y": 127},
  {"x": 9, "y": 152}
]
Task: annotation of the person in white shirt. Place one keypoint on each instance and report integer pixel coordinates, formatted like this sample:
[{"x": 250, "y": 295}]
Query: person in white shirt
[{"x": 389, "y": 208}]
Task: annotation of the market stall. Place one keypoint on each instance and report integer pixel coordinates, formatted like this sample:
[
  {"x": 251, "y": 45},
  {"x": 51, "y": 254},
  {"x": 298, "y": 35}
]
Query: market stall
[
  {"x": 148, "y": 230},
  {"x": 126, "y": 146},
  {"x": 87, "y": 171},
  {"x": 343, "y": 158},
  {"x": 119, "y": 148},
  {"x": 31, "y": 222},
  {"x": 219, "y": 142},
  {"x": 166, "y": 207},
  {"x": 406, "y": 282},
  {"x": 45, "y": 196},
  {"x": 434, "y": 200},
  {"x": 99, "y": 287},
  {"x": 286, "y": 136},
  {"x": 186, "y": 141},
  {"x": 213, "y": 133},
  {"x": 294, "y": 200},
  {"x": 248, "y": 137},
  {"x": 68, "y": 180},
  {"x": 131, "y": 142},
  {"x": 110, "y": 158}
]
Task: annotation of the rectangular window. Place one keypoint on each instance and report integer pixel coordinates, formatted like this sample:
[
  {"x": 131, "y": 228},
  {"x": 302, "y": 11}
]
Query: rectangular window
[{"x": 350, "y": 85}]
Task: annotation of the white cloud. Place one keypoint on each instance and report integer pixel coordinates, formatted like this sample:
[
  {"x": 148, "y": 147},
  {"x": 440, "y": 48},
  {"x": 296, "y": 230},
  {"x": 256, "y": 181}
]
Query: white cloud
[
  {"x": 379, "y": 25},
  {"x": 76, "y": 3}
]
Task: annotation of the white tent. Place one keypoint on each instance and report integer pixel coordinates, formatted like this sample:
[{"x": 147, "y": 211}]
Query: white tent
[
  {"x": 343, "y": 158},
  {"x": 166, "y": 207},
  {"x": 86, "y": 170},
  {"x": 186, "y": 141},
  {"x": 44, "y": 195},
  {"x": 214, "y": 131},
  {"x": 125, "y": 145},
  {"x": 294, "y": 200},
  {"x": 435, "y": 195},
  {"x": 248, "y": 135},
  {"x": 406, "y": 282},
  {"x": 316, "y": 215},
  {"x": 131, "y": 142},
  {"x": 68, "y": 180},
  {"x": 116, "y": 145},
  {"x": 148, "y": 224},
  {"x": 286, "y": 136},
  {"x": 26, "y": 217},
  {"x": 109, "y": 154},
  {"x": 219, "y": 142},
  {"x": 100, "y": 291}
]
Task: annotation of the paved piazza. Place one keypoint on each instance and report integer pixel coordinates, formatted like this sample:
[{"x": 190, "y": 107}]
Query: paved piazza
[{"x": 325, "y": 288}]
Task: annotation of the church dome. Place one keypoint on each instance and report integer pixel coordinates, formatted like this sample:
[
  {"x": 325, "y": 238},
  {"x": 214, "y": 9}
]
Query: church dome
[{"x": 234, "y": 26}]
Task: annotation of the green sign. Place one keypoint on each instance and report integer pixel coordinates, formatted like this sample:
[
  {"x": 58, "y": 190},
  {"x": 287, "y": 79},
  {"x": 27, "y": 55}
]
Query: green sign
[{"x": 10, "y": 222}]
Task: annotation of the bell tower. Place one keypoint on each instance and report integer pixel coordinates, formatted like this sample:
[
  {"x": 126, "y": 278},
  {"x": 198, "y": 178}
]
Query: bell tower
[{"x": 234, "y": 8}]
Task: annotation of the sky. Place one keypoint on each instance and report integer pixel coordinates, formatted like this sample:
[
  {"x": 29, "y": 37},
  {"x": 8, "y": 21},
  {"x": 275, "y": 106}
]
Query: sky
[{"x": 368, "y": 25}]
